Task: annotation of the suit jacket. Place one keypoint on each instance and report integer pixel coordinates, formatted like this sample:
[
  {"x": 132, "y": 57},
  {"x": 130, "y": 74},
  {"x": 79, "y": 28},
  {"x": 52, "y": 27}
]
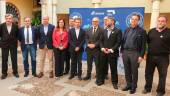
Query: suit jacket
[
  {"x": 139, "y": 41},
  {"x": 114, "y": 40},
  {"x": 94, "y": 38},
  {"x": 22, "y": 37},
  {"x": 6, "y": 38},
  {"x": 45, "y": 39},
  {"x": 76, "y": 42}
]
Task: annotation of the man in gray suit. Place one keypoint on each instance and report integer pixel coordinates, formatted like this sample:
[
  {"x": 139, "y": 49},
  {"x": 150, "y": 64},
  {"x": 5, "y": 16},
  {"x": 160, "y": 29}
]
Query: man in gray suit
[{"x": 93, "y": 36}]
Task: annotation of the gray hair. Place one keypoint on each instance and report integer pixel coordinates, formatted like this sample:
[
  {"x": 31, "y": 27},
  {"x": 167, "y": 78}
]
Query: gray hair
[{"x": 8, "y": 15}]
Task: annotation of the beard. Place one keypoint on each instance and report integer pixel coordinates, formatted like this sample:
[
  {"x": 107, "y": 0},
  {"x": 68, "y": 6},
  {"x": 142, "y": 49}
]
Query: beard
[
  {"x": 109, "y": 25},
  {"x": 161, "y": 27}
]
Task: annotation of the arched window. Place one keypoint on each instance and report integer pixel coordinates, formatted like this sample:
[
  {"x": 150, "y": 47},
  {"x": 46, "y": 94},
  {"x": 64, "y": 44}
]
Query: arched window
[{"x": 12, "y": 9}]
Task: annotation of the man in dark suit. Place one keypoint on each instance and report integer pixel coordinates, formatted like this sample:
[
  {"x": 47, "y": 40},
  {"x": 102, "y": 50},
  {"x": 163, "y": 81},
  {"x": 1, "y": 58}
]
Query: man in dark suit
[
  {"x": 45, "y": 31},
  {"x": 76, "y": 41},
  {"x": 93, "y": 36},
  {"x": 9, "y": 38},
  {"x": 133, "y": 50},
  {"x": 28, "y": 38},
  {"x": 110, "y": 43}
]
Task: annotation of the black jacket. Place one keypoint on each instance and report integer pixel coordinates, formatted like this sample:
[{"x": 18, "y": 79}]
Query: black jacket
[
  {"x": 94, "y": 38},
  {"x": 45, "y": 39},
  {"x": 6, "y": 38},
  {"x": 139, "y": 40},
  {"x": 76, "y": 42},
  {"x": 114, "y": 40}
]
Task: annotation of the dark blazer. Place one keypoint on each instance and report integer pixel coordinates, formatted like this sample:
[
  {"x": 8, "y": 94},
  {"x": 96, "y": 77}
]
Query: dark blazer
[
  {"x": 6, "y": 38},
  {"x": 93, "y": 38},
  {"x": 114, "y": 40},
  {"x": 139, "y": 42},
  {"x": 45, "y": 39},
  {"x": 74, "y": 42},
  {"x": 22, "y": 37}
]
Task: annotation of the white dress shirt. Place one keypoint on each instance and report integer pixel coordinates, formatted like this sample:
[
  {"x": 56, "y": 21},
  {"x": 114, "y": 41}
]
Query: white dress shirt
[
  {"x": 45, "y": 29},
  {"x": 30, "y": 35},
  {"x": 9, "y": 28},
  {"x": 77, "y": 32}
]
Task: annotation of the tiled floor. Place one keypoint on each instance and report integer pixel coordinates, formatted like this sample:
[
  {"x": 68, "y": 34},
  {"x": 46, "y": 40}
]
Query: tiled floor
[{"x": 45, "y": 86}]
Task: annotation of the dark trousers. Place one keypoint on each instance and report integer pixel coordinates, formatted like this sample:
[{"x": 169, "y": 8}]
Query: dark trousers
[
  {"x": 76, "y": 63},
  {"x": 130, "y": 60},
  {"x": 5, "y": 54},
  {"x": 59, "y": 56},
  {"x": 67, "y": 61},
  {"x": 162, "y": 63},
  {"x": 92, "y": 55},
  {"x": 108, "y": 59},
  {"x": 29, "y": 48}
]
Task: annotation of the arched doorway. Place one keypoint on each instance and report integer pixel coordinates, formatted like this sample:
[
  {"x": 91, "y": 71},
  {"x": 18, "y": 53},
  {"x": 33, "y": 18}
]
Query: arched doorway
[{"x": 12, "y": 9}]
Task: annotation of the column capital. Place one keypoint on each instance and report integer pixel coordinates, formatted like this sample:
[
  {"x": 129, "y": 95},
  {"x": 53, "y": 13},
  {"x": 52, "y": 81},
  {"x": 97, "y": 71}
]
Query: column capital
[
  {"x": 96, "y": 1},
  {"x": 156, "y": 0},
  {"x": 55, "y": 2}
]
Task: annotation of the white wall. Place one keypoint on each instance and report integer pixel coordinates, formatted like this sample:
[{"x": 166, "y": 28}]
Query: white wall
[{"x": 64, "y": 5}]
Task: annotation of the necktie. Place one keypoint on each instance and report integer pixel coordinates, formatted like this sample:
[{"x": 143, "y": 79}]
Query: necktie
[{"x": 27, "y": 35}]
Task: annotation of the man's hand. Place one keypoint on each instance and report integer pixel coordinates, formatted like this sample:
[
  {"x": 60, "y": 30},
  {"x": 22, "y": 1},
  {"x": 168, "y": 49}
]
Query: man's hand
[
  {"x": 77, "y": 49},
  {"x": 91, "y": 46},
  {"x": 106, "y": 51},
  {"x": 140, "y": 59}
]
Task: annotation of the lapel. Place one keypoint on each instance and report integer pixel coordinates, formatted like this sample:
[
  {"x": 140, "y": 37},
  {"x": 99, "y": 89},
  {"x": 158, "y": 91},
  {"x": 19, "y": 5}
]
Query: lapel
[
  {"x": 79, "y": 33},
  {"x": 22, "y": 32},
  {"x": 112, "y": 32}
]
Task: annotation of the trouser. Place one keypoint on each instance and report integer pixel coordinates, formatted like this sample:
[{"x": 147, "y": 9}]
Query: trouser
[
  {"x": 130, "y": 60},
  {"x": 92, "y": 55},
  {"x": 162, "y": 63},
  {"x": 5, "y": 54},
  {"x": 67, "y": 61},
  {"x": 108, "y": 59},
  {"x": 59, "y": 56},
  {"x": 42, "y": 53},
  {"x": 29, "y": 48},
  {"x": 76, "y": 63}
]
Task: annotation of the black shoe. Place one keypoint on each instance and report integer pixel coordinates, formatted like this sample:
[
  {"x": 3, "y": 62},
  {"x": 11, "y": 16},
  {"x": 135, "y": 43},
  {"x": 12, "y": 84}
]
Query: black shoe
[
  {"x": 87, "y": 77},
  {"x": 3, "y": 76},
  {"x": 160, "y": 94},
  {"x": 71, "y": 77},
  {"x": 115, "y": 86},
  {"x": 146, "y": 91},
  {"x": 26, "y": 74},
  {"x": 99, "y": 83},
  {"x": 34, "y": 74},
  {"x": 126, "y": 88},
  {"x": 65, "y": 73},
  {"x": 79, "y": 78},
  {"x": 16, "y": 75},
  {"x": 132, "y": 91}
]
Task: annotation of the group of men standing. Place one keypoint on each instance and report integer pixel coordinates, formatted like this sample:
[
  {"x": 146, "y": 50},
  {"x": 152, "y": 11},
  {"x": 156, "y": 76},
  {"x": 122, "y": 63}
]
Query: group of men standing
[{"x": 102, "y": 47}]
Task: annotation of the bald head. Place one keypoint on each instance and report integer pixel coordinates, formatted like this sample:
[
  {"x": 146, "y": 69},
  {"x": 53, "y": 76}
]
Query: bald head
[
  {"x": 95, "y": 22},
  {"x": 45, "y": 20}
]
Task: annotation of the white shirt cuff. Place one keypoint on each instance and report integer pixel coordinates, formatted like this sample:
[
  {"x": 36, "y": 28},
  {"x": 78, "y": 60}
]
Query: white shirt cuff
[
  {"x": 102, "y": 49},
  {"x": 111, "y": 50}
]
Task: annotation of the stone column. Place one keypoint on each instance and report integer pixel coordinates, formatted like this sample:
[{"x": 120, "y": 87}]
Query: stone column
[
  {"x": 96, "y": 3},
  {"x": 43, "y": 8},
  {"x": 155, "y": 12},
  {"x": 54, "y": 11},
  {"x": 2, "y": 10}
]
